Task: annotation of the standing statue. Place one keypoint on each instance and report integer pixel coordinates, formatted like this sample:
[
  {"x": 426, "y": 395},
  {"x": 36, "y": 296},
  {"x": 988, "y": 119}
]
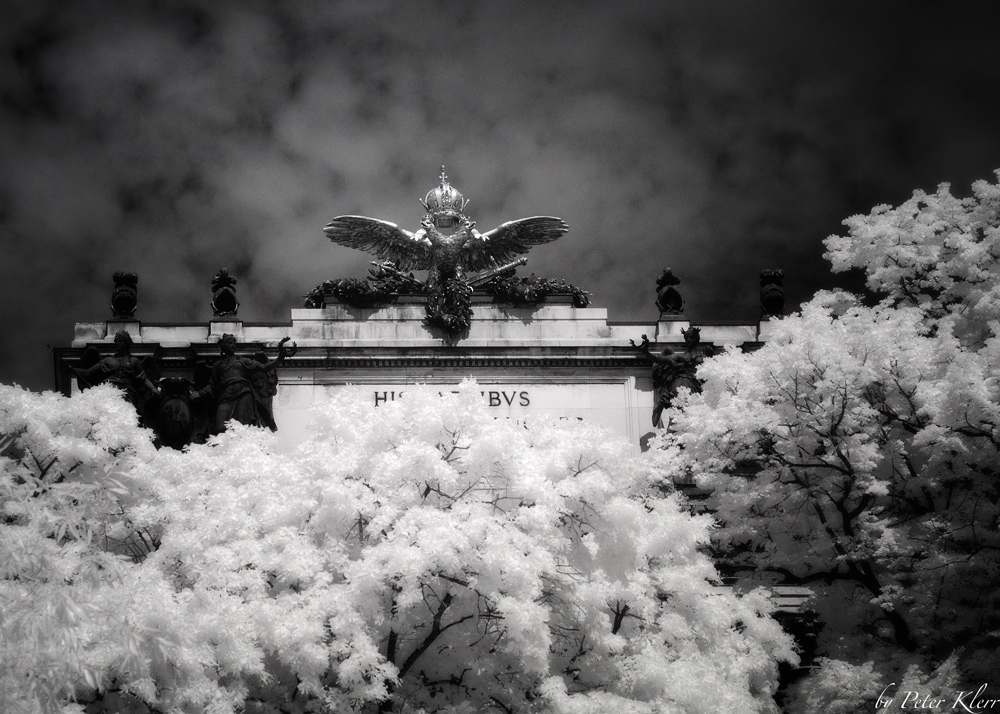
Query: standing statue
[
  {"x": 447, "y": 245},
  {"x": 121, "y": 369},
  {"x": 242, "y": 387},
  {"x": 671, "y": 371}
]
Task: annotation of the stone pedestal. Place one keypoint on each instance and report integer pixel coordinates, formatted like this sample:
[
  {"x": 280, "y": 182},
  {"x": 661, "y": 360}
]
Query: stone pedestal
[
  {"x": 221, "y": 326},
  {"x": 669, "y": 329}
]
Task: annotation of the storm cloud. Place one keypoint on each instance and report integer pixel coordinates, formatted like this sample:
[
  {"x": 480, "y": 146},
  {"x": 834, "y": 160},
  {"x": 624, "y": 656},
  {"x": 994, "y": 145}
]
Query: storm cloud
[{"x": 173, "y": 138}]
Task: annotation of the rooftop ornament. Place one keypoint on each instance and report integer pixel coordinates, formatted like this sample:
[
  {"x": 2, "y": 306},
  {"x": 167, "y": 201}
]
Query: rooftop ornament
[
  {"x": 448, "y": 246},
  {"x": 772, "y": 294},
  {"x": 125, "y": 296},
  {"x": 668, "y": 297},
  {"x": 224, "y": 302}
]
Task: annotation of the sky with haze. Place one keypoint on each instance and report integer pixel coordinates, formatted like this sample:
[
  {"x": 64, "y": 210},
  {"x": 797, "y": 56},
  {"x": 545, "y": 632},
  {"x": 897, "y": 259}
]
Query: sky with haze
[{"x": 717, "y": 138}]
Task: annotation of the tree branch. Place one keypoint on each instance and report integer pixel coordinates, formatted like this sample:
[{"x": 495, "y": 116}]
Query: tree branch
[{"x": 436, "y": 630}]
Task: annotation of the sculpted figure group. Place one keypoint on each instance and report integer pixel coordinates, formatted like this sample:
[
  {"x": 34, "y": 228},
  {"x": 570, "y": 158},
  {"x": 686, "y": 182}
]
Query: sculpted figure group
[
  {"x": 242, "y": 387},
  {"x": 182, "y": 411}
]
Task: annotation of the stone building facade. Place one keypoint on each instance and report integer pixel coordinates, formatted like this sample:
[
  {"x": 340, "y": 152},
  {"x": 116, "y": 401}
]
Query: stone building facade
[{"x": 553, "y": 358}]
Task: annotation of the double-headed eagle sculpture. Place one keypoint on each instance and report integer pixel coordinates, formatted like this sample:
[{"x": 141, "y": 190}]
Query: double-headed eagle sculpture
[{"x": 447, "y": 246}]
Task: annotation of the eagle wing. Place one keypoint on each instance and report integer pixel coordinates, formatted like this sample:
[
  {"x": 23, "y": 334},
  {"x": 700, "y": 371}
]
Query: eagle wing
[
  {"x": 386, "y": 240},
  {"x": 507, "y": 241}
]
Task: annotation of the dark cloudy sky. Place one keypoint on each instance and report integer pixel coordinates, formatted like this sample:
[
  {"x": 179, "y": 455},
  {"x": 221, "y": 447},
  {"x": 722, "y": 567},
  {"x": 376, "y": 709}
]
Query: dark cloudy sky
[{"x": 174, "y": 138}]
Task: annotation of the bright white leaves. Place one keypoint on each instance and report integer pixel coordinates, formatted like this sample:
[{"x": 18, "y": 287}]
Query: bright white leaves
[
  {"x": 422, "y": 551},
  {"x": 64, "y": 464},
  {"x": 865, "y": 442},
  {"x": 487, "y": 557},
  {"x": 934, "y": 251},
  {"x": 858, "y": 448}
]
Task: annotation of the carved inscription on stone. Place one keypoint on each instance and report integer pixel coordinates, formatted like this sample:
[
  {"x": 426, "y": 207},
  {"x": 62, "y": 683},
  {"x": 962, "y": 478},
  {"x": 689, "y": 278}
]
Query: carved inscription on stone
[{"x": 491, "y": 397}]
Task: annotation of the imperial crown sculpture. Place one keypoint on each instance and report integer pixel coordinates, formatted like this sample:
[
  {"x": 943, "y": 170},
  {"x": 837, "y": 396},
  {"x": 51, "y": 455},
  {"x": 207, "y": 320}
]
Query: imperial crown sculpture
[{"x": 445, "y": 200}]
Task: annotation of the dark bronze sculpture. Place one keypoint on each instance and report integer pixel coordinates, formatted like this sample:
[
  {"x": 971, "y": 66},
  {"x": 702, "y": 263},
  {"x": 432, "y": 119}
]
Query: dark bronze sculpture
[
  {"x": 772, "y": 294},
  {"x": 125, "y": 296},
  {"x": 163, "y": 405},
  {"x": 692, "y": 337},
  {"x": 507, "y": 288},
  {"x": 383, "y": 283},
  {"x": 224, "y": 302},
  {"x": 668, "y": 298},
  {"x": 672, "y": 371},
  {"x": 447, "y": 245},
  {"x": 121, "y": 369},
  {"x": 175, "y": 417},
  {"x": 242, "y": 387}
]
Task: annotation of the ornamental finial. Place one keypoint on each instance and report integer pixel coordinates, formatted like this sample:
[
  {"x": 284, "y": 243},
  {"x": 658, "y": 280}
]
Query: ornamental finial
[{"x": 444, "y": 177}]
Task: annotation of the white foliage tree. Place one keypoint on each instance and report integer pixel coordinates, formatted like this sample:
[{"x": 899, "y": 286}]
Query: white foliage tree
[
  {"x": 935, "y": 252},
  {"x": 65, "y": 467},
  {"x": 423, "y": 555},
  {"x": 858, "y": 450}
]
